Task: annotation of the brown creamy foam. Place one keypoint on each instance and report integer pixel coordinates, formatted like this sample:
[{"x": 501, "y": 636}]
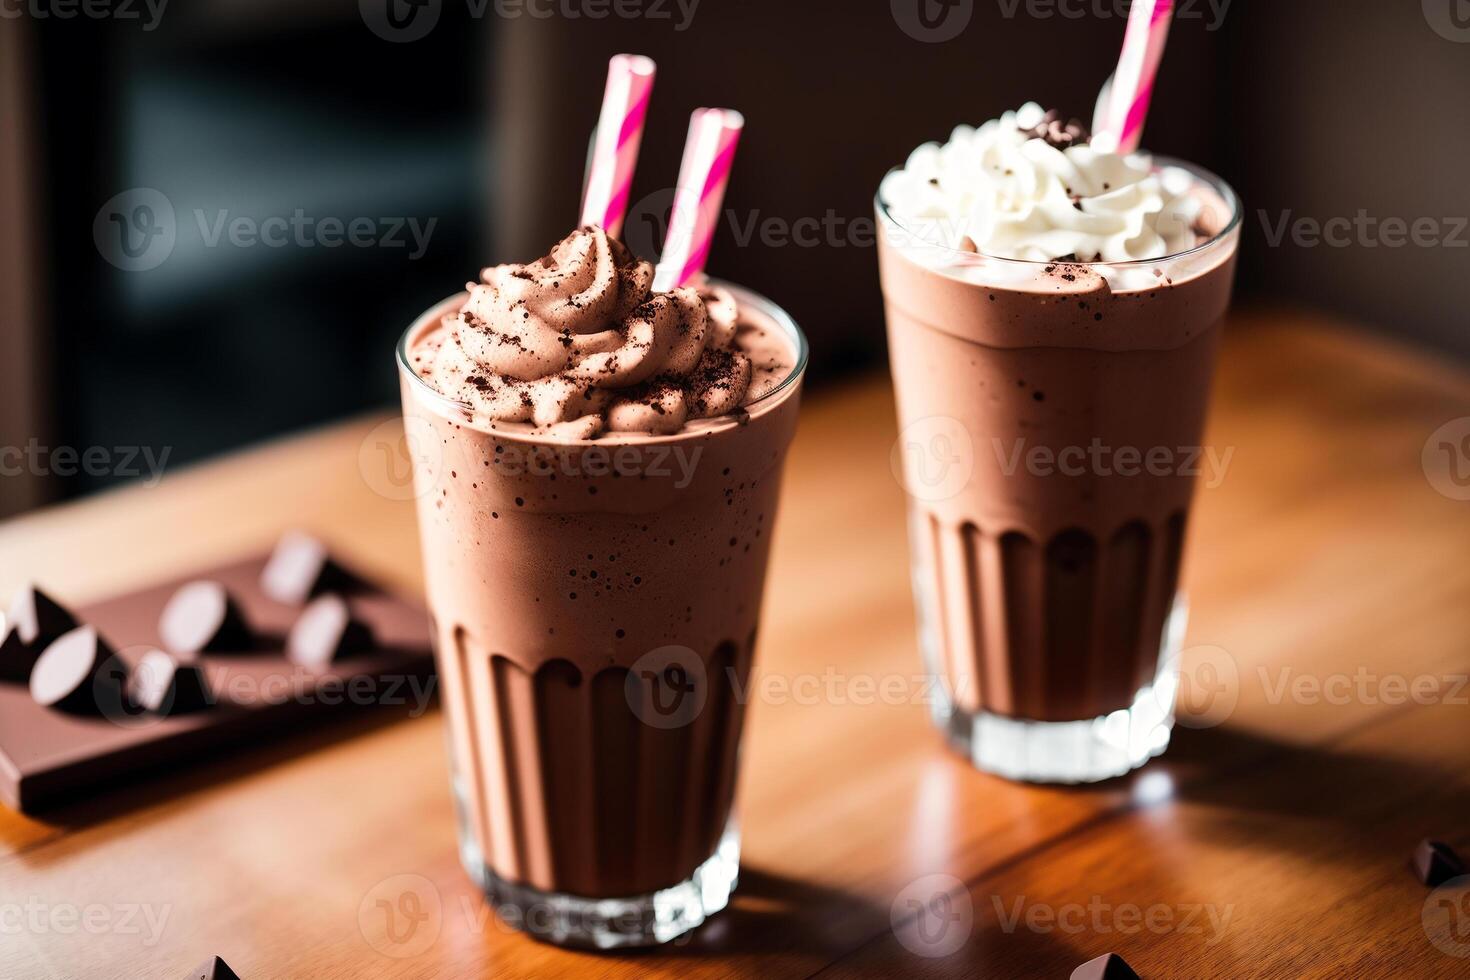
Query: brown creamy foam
[{"x": 577, "y": 343}]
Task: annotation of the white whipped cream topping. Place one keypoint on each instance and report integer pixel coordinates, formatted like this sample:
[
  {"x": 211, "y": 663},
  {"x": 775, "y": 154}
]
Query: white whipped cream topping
[{"x": 1018, "y": 197}]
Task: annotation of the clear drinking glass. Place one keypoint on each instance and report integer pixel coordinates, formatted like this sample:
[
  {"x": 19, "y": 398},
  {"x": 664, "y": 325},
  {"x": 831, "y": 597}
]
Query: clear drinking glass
[
  {"x": 1051, "y": 420},
  {"x": 595, "y": 606}
]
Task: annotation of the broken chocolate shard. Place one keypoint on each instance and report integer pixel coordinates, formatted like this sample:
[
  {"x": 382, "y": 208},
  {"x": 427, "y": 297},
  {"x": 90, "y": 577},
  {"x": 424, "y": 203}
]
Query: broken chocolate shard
[
  {"x": 1109, "y": 966},
  {"x": 325, "y": 632},
  {"x": 1057, "y": 133},
  {"x": 16, "y": 658},
  {"x": 202, "y": 617},
  {"x": 37, "y": 618},
  {"x": 79, "y": 674},
  {"x": 300, "y": 569},
  {"x": 1435, "y": 863},
  {"x": 214, "y": 968},
  {"x": 34, "y": 622},
  {"x": 164, "y": 686}
]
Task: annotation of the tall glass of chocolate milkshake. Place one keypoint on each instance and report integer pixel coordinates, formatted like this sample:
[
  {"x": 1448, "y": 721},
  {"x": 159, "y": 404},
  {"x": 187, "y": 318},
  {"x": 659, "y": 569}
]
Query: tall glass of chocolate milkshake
[
  {"x": 597, "y": 467},
  {"x": 1053, "y": 317}
]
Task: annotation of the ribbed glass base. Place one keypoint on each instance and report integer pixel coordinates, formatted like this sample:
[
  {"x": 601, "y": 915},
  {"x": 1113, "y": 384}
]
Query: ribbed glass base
[
  {"x": 611, "y": 923},
  {"x": 1085, "y": 751},
  {"x": 1064, "y": 751}
]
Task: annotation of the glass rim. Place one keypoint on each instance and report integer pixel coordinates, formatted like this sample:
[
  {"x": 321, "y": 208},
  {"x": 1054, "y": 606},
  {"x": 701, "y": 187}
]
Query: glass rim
[
  {"x": 744, "y": 296},
  {"x": 1213, "y": 180}
]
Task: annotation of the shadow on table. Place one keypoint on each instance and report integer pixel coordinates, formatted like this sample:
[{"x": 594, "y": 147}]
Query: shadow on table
[
  {"x": 1358, "y": 793},
  {"x": 773, "y": 915}
]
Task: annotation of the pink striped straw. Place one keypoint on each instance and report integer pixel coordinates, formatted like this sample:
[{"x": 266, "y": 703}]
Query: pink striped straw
[
  {"x": 615, "y": 147},
  {"x": 1124, "y": 107},
  {"x": 709, "y": 153}
]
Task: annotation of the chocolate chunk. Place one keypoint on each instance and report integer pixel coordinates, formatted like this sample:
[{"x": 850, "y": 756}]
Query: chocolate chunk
[
  {"x": 326, "y": 631},
  {"x": 1435, "y": 863},
  {"x": 1057, "y": 133},
  {"x": 1109, "y": 966},
  {"x": 34, "y": 622},
  {"x": 16, "y": 658},
  {"x": 201, "y": 616},
  {"x": 78, "y": 673},
  {"x": 300, "y": 568},
  {"x": 214, "y": 968},
  {"x": 164, "y": 686}
]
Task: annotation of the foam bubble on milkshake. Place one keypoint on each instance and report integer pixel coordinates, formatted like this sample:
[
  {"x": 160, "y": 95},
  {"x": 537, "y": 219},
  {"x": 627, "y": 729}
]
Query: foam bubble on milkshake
[{"x": 1029, "y": 186}]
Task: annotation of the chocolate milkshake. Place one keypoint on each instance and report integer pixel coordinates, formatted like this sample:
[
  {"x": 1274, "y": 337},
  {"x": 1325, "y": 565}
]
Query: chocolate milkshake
[
  {"x": 597, "y": 468},
  {"x": 1053, "y": 317}
]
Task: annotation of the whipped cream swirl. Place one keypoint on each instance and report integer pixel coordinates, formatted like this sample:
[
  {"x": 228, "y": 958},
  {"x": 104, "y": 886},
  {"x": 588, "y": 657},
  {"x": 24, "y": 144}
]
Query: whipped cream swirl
[
  {"x": 577, "y": 344},
  {"x": 1022, "y": 187}
]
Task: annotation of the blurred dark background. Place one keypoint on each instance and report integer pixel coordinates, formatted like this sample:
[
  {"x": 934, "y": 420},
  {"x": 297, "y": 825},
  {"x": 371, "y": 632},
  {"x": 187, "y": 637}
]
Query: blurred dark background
[{"x": 453, "y": 133}]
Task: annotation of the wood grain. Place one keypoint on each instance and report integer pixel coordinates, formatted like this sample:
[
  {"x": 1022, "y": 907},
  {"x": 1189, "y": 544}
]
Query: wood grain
[{"x": 1324, "y": 553}]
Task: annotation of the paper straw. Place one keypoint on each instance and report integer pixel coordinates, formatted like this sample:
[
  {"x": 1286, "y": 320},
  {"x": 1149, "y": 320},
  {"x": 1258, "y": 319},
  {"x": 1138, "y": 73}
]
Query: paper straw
[
  {"x": 615, "y": 146},
  {"x": 709, "y": 153},
  {"x": 1133, "y": 82}
]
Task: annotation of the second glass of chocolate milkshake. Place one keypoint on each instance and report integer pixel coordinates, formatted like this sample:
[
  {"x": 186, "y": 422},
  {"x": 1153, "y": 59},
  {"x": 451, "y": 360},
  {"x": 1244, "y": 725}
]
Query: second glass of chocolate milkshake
[
  {"x": 1053, "y": 318},
  {"x": 597, "y": 468}
]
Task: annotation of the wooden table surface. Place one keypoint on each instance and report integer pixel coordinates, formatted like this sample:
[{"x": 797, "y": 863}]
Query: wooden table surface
[{"x": 1328, "y": 653}]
